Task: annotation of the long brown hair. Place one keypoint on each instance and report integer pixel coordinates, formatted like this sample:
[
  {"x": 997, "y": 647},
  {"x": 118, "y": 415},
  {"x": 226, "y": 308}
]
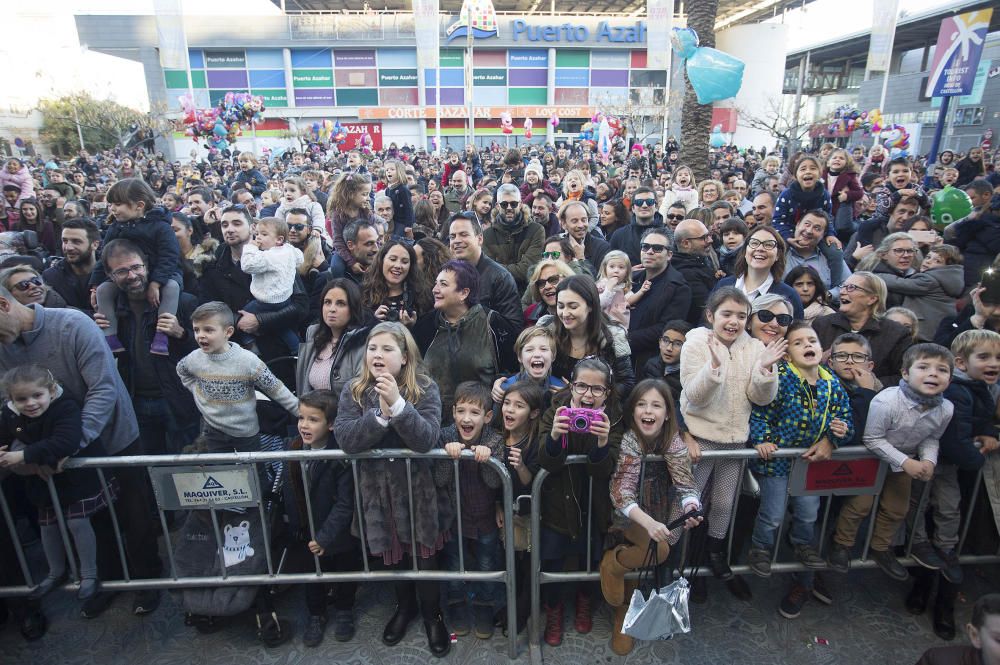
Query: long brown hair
[
  {"x": 596, "y": 325},
  {"x": 660, "y": 446},
  {"x": 376, "y": 290},
  {"x": 342, "y": 197}
]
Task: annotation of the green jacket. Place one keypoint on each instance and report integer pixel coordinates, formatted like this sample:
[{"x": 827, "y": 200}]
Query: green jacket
[{"x": 516, "y": 248}]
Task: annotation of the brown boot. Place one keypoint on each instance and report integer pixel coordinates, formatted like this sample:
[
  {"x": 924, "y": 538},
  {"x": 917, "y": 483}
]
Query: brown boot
[
  {"x": 613, "y": 576},
  {"x": 621, "y": 643}
]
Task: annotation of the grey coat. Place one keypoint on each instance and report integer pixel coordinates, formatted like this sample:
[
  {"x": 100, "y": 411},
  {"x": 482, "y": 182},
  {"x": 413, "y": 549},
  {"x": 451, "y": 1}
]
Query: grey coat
[
  {"x": 347, "y": 359},
  {"x": 930, "y": 295}
]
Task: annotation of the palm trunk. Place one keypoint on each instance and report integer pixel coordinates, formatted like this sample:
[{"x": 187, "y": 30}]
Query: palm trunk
[{"x": 696, "y": 119}]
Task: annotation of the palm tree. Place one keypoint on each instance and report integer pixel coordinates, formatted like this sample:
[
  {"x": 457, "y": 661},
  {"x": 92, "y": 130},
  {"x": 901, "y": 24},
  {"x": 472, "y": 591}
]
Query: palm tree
[{"x": 696, "y": 119}]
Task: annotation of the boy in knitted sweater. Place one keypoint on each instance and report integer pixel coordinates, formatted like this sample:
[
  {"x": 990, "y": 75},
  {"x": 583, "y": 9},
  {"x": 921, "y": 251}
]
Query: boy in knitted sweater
[
  {"x": 223, "y": 379},
  {"x": 272, "y": 263}
]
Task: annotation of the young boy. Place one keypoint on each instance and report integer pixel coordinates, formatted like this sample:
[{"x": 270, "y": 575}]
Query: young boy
[
  {"x": 851, "y": 360},
  {"x": 977, "y": 367},
  {"x": 272, "y": 263},
  {"x": 734, "y": 232},
  {"x": 472, "y": 411},
  {"x": 949, "y": 176},
  {"x": 898, "y": 185},
  {"x": 905, "y": 424},
  {"x": 535, "y": 350},
  {"x": 984, "y": 633},
  {"x": 667, "y": 365},
  {"x": 223, "y": 377},
  {"x": 328, "y": 535},
  {"x": 812, "y": 411}
]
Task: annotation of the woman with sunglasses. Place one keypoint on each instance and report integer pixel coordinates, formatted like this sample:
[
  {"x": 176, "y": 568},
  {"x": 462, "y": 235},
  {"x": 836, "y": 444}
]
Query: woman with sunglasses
[
  {"x": 28, "y": 288},
  {"x": 770, "y": 316},
  {"x": 862, "y": 311},
  {"x": 542, "y": 286},
  {"x": 760, "y": 268}
]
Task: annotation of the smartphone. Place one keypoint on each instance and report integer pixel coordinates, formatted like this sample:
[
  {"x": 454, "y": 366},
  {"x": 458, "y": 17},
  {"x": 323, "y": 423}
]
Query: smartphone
[
  {"x": 991, "y": 282},
  {"x": 924, "y": 237}
]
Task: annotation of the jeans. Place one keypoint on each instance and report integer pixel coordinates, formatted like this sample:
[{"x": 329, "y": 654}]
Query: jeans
[
  {"x": 159, "y": 431},
  {"x": 288, "y": 336},
  {"x": 771, "y": 514},
  {"x": 481, "y": 554}
]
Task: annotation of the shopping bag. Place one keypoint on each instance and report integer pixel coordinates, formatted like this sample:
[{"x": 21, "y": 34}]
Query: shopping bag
[{"x": 664, "y": 613}]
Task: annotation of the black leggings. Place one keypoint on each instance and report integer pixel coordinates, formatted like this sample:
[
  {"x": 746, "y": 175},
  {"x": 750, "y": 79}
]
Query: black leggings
[{"x": 408, "y": 592}]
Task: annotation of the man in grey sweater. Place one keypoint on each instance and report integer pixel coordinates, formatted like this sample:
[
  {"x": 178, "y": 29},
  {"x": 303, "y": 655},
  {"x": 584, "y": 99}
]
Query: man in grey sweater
[{"x": 72, "y": 347}]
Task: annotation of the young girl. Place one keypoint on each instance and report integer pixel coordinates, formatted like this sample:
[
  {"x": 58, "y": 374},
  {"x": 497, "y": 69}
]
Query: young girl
[
  {"x": 812, "y": 292},
  {"x": 682, "y": 189},
  {"x": 398, "y": 192},
  {"x": 845, "y": 191},
  {"x": 521, "y": 412},
  {"x": 724, "y": 372},
  {"x": 135, "y": 216},
  {"x": 39, "y": 426},
  {"x": 614, "y": 283},
  {"x": 296, "y": 195},
  {"x": 16, "y": 173},
  {"x": 348, "y": 202},
  {"x": 393, "y": 404},
  {"x": 250, "y": 175}
]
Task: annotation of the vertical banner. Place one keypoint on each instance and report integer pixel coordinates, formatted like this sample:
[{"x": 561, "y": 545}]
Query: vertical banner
[
  {"x": 428, "y": 33},
  {"x": 659, "y": 18},
  {"x": 884, "y": 19},
  {"x": 956, "y": 57},
  {"x": 170, "y": 34}
]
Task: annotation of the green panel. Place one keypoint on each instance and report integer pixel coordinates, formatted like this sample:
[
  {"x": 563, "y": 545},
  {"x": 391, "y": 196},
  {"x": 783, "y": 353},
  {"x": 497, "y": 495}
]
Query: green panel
[
  {"x": 398, "y": 78},
  {"x": 349, "y": 97},
  {"x": 176, "y": 79},
  {"x": 215, "y": 96},
  {"x": 312, "y": 78},
  {"x": 528, "y": 95},
  {"x": 571, "y": 58},
  {"x": 273, "y": 98},
  {"x": 452, "y": 57},
  {"x": 489, "y": 77}
]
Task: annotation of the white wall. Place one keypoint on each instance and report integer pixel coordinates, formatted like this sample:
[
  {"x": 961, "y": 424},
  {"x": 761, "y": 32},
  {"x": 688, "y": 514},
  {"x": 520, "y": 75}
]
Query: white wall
[{"x": 762, "y": 47}]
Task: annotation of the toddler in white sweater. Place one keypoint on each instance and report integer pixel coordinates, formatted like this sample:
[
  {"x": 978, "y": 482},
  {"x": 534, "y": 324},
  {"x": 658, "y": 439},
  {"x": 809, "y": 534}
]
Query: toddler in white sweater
[{"x": 271, "y": 262}]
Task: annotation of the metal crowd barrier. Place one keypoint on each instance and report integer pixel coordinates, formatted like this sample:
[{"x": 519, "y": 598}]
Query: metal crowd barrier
[
  {"x": 244, "y": 462},
  {"x": 539, "y": 577}
]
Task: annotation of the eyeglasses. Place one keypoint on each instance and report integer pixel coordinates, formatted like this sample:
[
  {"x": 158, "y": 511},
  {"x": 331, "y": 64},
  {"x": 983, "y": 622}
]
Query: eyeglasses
[
  {"x": 506, "y": 205},
  {"x": 296, "y": 227},
  {"x": 766, "y": 244},
  {"x": 672, "y": 343},
  {"x": 766, "y": 316},
  {"x": 26, "y": 284},
  {"x": 649, "y": 203},
  {"x": 675, "y": 218},
  {"x": 581, "y": 389},
  {"x": 650, "y": 247},
  {"x": 122, "y": 273},
  {"x": 845, "y": 357},
  {"x": 903, "y": 251},
  {"x": 703, "y": 238},
  {"x": 551, "y": 255},
  {"x": 551, "y": 281},
  {"x": 851, "y": 288}
]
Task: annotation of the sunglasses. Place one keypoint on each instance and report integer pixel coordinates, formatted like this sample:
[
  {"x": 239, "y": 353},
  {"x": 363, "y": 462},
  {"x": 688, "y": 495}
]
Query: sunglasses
[
  {"x": 649, "y": 247},
  {"x": 551, "y": 255},
  {"x": 766, "y": 316},
  {"x": 26, "y": 284},
  {"x": 551, "y": 281},
  {"x": 296, "y": 227},
  {"x": 646, "y": 203},
  {"x": 506, "y": 205},
  {"x": 675, "y": 218}
]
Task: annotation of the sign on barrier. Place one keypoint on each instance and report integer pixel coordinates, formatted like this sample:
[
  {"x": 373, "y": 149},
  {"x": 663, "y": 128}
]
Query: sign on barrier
[
  {"x": 193, "y": 487},
  {"x": 841, "y": 477}
]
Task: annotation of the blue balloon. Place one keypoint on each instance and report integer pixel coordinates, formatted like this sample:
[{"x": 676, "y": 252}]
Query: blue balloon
[
  {"x": 717, "y": 140},
  {"x": 684, "y": 42},
  {"x": 714, "y": 75}
]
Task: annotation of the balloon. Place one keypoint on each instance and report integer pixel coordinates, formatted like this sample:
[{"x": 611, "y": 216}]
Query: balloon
[
  {"x": 717, "y": 140},
  {"x": 714, "y": 75},
  {"x": 897, "y": 141},
  {"x": 554, "y": 121},
  {"x": 506, "y": 123},
  {"x": 527, "y": 128},
  {"x": 949, "y": 205}
]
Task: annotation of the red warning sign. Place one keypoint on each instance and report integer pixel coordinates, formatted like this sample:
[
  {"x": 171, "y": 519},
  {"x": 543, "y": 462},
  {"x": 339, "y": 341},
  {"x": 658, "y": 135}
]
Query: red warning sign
[{"x": 834, "y": 475}]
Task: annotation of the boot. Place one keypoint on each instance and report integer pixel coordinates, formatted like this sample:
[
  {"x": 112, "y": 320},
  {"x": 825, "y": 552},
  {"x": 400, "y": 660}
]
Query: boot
[
  {"x": 717, "y": 559},
  {"x": 613, "y": 577},
  {"x": 916, "y": 601},
  {"x": 944, "y": 610},
  {"x": 621, "y": 643},
  {"x": 554, "y": 625},
  {"x": 583, "y": 620}
]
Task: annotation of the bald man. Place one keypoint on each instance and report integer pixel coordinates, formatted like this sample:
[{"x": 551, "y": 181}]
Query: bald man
[{"x": 692, "y": 252}]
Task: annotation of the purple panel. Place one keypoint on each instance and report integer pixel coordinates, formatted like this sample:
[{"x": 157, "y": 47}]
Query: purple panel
[
  {"x": 313, "y": 97},
  {"x": 227, "y": 78},
  {"x": 609, "y": 77},
  {"x": 348, "y": 58},
  {"x": 528, "y": 77},
  {"x": 448, "y": 96}
]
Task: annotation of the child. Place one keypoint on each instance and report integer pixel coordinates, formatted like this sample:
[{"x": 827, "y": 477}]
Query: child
[
  {"x": 327, "y": 534},
  {"x": 135, "y": 216},
  {"x": 472, "y": 411},
  {"x": 851, "y": 360},
  {"x": 535, "y": 350},
  {"x": 399, "y": 193},
  {"x": 614, "y": 283},
  {"x": 898, "y": 185},
  {"x": 905, "y": 317},
  {"x": 681, "y": 190},
  {"x": 985, "y": 648},
  {"x": 949, "y": 176},
  {"x": 271, "y": 263},
  {"x": 667, "y": 365},
  {"x": 250, "y": 175},
  {"x": 297, "y": 196},
  {"x": 977, "y": 367},
  {"x": 812, "y": 291},
  {"x": 905, "y": 424},
  {"x": 223, "y": 377},
  {"x": 734, "y": 232},
  {"x": 16, "y": 175},
  {"x": 812, "y": 411},
  {"x": 769, "y": 168},
  {"x": 40, "y": 426},
  {"x": 941, "y": 255},
  {"x": 845, "y": 191},
  {"x": 520, "y": 413}
]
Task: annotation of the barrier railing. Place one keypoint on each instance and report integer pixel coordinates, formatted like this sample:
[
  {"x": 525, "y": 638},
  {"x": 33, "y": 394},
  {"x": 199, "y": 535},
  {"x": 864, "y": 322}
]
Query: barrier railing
[
  {"x": 165, "y": 469},
  {"x": 799, "y": 483}
]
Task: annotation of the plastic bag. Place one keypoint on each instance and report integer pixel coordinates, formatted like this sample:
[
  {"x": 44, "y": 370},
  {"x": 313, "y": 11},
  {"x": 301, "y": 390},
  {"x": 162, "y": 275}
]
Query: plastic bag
[{"x": 662, "y": 615}]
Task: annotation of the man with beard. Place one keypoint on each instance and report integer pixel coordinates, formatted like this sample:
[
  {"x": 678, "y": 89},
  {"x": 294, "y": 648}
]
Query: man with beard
[
  {"x": 514, "y": 241},
  {"x": 589, "y": 247},
  {"x": 692, "y": 246},
  {"x": 204, "y": 213},
  {"x": 71, "y": 276},
  {"x": 805, "y": 250},
  {"x": 541, "y": 213},
  {"x": 362, "y": 240}
]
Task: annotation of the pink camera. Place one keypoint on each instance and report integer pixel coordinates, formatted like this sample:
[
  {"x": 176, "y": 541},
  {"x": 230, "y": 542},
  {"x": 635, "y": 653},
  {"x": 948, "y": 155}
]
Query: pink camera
[{"x": 581, "y": 419}]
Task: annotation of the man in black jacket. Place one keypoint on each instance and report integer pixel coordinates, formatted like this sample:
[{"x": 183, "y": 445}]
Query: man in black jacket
[
  {"x": 70, "y": 277},
  {"x": 644, "y": 216},
  {"x": 692, "y": 244},
  {"x": 666, "y": 297},
  {"x": 497, "y": 290},
  {"x": 588, "y": 246}
]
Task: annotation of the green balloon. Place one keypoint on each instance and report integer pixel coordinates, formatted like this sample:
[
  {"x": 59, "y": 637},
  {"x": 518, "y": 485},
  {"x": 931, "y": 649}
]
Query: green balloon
[{"x": 949, "y": 205}]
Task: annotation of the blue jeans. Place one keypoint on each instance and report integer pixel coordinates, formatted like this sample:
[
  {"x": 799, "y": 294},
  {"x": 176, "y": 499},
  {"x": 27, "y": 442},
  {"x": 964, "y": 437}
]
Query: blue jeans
[
  {"x": 481, "y": 554},
  {"x": 771, "y": 513},
  {"x": 288, "y": 336},
  {"x": 159, "y": 431}
]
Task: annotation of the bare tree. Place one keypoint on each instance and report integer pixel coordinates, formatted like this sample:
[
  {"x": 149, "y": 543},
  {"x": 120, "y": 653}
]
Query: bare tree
[
  {"x": 642, "y": 114},
  {"x": 101, "y": 123},
  {"x": 777, "y": 121},
  {"x": 696, "y": 119}
]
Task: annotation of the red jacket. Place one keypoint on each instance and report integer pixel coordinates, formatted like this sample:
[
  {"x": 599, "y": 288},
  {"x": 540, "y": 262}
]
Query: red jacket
[
  {"x": 848, "y": 180},
  {"x": 450, "y": 168}
]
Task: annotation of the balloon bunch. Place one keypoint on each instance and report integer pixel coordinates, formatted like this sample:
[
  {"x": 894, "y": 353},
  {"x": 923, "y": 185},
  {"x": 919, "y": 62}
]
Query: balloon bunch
[
  {"x": 322, "y": 130},
  {"x": 714, "y": 75},
  {"x": 221, "y": 125},
  {"x": 241, "y": 107},
  {"x": 506, "y": 123},
  {"x": 364, "y": 142},
  {"x": 896, "y": 140},
  {"x": 600, "y": 129},
  {"x": 527, "y": 128}
]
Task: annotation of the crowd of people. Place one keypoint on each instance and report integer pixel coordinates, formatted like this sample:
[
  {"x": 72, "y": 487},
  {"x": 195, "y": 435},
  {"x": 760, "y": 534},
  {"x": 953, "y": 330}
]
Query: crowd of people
[{"x": 524, "y": 304}]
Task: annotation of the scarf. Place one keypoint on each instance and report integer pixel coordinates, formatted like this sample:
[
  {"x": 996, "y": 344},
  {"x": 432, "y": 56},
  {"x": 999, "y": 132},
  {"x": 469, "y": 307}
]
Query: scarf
[
  {"x": 574, "y": 196},
  {"x": 810, "y": 200},
  {"x": 925, "y": 402}
]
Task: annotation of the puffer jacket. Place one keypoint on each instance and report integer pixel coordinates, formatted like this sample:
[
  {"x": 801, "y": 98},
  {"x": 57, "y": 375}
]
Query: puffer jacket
[
  {"x": 152, "y": 233},
  {"x": 931, "y": 295},
  {"x": 22, "y": 179},
  {"x": 979, "y": 240},
  {"x": 517, "y": 247}
]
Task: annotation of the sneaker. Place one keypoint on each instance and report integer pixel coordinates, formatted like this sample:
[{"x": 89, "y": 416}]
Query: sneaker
[
  {"x": 343, "y": 625},
  {"x": 791, "y": 604},
  {"x": 482, "y": 617},
  {"x": 927, "y": 556},
  {"x": 114, "y": 343},
  {"x": 47, "y": 585},
  {"x": 145, "y": 602},
  {"x": 554, "y": 625},
  {"x": 839, "y": 558},
  {"x": 159, "y": 347},
  {"x": 952, "y": 570},
  {"x": 889, "y": 565},
  {"x": 759, "y": 560},
  {"x": 314, "y": 631},
  {"x": 583, "y": 620},
  {"x": 820, "y": 590},
  {"x": 809, "y": 557},
  {"x": 457, "y": 616}
]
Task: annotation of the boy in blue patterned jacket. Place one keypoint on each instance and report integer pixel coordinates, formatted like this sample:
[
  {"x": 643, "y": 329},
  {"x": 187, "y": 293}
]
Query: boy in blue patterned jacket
[{"x": 812, "y": 411}]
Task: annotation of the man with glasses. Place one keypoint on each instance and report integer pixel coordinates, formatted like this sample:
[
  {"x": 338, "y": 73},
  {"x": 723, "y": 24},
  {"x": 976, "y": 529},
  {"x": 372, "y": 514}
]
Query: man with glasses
[
  {"x": 692, "y": 248},
  {"x": 667, "y": 296},
  {"x": 805, "y": 251},
  {"x": 675, "y": 214},
  {"x": 514, "y": 241},
  {"x": 644, "y": 217},
  {"x": 746, "y": 206}
]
